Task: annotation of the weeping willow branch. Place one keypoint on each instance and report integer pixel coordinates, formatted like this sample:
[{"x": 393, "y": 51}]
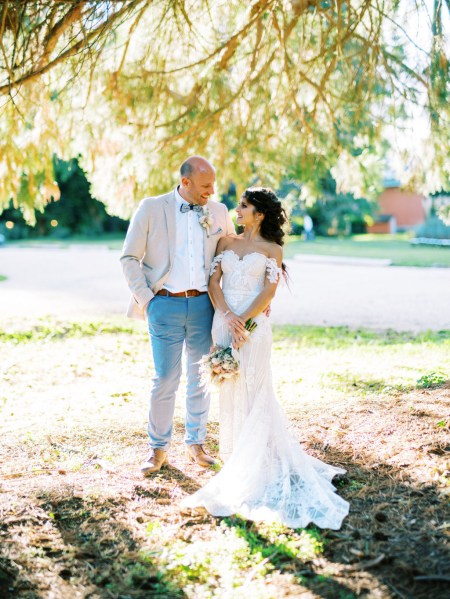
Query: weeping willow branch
[
  {"x": 74, "y": 16},
  {"x": 254, "y": 84}
]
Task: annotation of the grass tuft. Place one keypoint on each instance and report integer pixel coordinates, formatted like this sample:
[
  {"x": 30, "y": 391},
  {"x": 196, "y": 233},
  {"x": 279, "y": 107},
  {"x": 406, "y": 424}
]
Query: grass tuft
[
  {"x": 57, "y": 331},
  {"x": 431, "y": 379}
]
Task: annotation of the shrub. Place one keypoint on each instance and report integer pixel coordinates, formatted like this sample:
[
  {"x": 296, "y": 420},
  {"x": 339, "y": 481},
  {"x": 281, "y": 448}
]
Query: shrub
[{"x": 433, "y": 228}]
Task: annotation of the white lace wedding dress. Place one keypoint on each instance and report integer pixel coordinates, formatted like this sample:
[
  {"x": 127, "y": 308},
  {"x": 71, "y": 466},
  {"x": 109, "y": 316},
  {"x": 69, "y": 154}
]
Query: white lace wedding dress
[{"x": 267, "y": 476}]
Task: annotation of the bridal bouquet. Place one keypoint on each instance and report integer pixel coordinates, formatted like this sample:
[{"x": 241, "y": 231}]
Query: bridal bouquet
[{"x": 221, "y": 363}]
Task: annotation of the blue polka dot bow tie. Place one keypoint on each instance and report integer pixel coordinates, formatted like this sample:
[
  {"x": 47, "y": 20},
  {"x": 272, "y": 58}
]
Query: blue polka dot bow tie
[{"x": 194, "y": 207}]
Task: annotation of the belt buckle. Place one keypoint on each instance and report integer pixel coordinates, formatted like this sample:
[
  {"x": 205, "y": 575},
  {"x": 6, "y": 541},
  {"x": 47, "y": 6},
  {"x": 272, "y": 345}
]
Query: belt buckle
[{"x": 186, "y": 294}]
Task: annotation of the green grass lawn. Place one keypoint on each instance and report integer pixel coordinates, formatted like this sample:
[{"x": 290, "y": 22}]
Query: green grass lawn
[
  {"x": 393, "y": 247},
  {"x": 113, "y": 241}
]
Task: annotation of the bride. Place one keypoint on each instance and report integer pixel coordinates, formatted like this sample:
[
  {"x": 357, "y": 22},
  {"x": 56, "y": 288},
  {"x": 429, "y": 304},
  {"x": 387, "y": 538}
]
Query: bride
[{"x": 266, "y": 476}]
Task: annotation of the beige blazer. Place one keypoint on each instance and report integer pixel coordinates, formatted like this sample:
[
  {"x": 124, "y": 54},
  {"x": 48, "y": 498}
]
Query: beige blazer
[{"x": 149, "y": 246}]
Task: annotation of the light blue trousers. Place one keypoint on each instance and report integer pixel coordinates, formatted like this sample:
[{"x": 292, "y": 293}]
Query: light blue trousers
[{"x": 174, "y": 322}]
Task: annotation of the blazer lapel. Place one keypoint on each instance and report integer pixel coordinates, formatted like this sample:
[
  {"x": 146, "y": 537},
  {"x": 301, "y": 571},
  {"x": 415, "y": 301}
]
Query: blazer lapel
[
  {"x": 207, "y": 244},
  {"x": 169, "y": 209},
  {"x": 210, "y": 243}
]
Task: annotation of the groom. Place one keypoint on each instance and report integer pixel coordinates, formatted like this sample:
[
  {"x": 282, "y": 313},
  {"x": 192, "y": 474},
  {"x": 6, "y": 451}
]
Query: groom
[{"x": 166, "y": 256}]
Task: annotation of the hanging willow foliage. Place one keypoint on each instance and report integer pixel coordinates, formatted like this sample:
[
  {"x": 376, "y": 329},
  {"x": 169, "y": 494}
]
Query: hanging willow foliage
[{"x": 262, "y": 88}]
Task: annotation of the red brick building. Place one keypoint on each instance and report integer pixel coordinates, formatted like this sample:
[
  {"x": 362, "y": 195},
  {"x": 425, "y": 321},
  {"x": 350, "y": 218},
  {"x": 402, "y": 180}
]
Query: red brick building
[{"x": 409, "y": 209}]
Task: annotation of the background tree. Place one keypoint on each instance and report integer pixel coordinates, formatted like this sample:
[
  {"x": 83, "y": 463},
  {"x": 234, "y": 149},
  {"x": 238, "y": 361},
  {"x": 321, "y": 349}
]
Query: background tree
[
  {"x": 76, "y": 212},
  {"x": 133, "y": 86}
]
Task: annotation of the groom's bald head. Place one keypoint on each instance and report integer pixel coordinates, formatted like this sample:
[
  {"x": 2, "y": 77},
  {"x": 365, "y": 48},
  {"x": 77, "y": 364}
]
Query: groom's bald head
[
  {"x": 195, "y": 163},
  {"x": 198, "y": 177}
]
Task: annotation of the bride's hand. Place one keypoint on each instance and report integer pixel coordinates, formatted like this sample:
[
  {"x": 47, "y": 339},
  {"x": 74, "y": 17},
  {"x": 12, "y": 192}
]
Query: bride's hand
[
  {"x": 235, "y": 324},
  {"x": 238, "y": 340}
]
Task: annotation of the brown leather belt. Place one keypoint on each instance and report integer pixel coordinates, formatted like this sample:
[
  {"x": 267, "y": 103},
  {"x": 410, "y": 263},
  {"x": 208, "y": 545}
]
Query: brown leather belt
[{"x": 188, "y": 293}]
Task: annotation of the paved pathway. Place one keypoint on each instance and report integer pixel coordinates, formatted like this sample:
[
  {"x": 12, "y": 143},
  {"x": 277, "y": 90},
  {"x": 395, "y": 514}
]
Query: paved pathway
[{"x": 87, "y": 282}]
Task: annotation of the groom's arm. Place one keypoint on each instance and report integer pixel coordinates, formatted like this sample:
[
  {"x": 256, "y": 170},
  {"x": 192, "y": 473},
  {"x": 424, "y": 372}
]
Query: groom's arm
[
  {"x": 229, "y": 230},
  {"x": 134, "y": 249}
]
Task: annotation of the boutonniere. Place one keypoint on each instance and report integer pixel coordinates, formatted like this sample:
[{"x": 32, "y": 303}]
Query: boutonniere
[{"x": 206, "y": 220}]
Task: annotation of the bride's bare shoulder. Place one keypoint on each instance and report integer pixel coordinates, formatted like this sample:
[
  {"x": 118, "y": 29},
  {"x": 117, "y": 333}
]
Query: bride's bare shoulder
[
  {"x": 275, "y": 251},
  {"x": 225, "y": 243}
]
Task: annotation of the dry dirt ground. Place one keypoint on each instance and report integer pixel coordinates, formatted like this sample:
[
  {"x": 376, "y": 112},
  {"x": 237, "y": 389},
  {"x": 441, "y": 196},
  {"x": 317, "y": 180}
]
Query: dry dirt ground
[{"x": 78, "y": 521}]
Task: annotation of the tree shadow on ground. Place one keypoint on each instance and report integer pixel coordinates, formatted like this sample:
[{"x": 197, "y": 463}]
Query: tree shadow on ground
[
  {"x": 284, "y": 560},
  {"x": 67, "y": 543},
  {"x": 392, "y": 544},
  {"x": 167, "y": 474},
  {"x": 9, "y": 578},
  {"x": 395, "y": 531},
  {"x": 95, "y": 545},
  {"x": 88, "y": 550},
  {"x": 68, "y": 537},
  {"x": 395, "y": 515},
  {"x": 106, "y": 551}
]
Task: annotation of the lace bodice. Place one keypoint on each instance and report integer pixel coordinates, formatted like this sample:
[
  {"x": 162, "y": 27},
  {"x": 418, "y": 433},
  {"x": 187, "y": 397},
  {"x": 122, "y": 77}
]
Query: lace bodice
[{"x": 245, "y": 276}]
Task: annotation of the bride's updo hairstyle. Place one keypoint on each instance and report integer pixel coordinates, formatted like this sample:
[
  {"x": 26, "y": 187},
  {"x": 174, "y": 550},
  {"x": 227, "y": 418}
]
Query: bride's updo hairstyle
[{"x": 275, "y": 220}]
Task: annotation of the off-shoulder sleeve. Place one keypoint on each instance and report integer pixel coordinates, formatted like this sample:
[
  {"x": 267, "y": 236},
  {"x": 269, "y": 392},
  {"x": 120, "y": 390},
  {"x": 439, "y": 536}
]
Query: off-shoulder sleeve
[
  {"x": 216, "y": 261},
  {"x": 273, "y": 270}
]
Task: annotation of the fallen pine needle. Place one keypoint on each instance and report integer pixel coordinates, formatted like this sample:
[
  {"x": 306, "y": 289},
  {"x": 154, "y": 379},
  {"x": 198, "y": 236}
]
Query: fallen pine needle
[
  {"x": 367, "y": 564},
  {"x": 433, "y": 577}
]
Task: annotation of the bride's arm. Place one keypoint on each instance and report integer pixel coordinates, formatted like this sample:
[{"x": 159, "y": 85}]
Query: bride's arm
[
  {"x": 235, "y": 322},
  {"x": 261, "y": 302}
]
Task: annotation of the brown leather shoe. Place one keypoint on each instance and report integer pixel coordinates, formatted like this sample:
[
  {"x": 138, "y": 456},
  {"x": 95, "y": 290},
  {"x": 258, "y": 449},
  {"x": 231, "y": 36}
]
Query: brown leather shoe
[
  {"x": 154, "y": 462},
  {"x": 197, "y": 454}
]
